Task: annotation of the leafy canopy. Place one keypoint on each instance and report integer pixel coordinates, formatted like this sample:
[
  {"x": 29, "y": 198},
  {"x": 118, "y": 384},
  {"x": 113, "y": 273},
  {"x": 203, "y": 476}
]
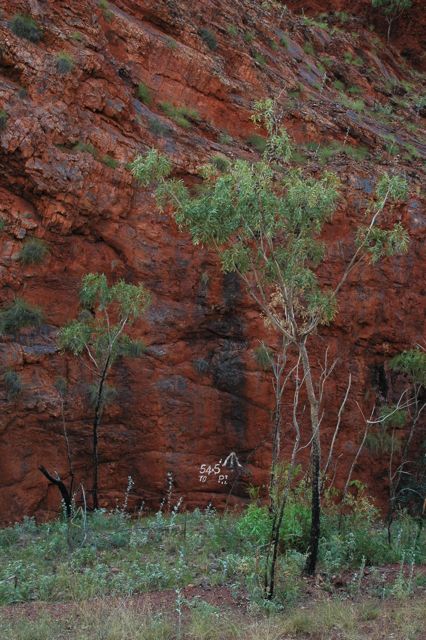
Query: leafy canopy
[
  {"x": 106, "y": 310},
  {"x": 265, "y": 220}
]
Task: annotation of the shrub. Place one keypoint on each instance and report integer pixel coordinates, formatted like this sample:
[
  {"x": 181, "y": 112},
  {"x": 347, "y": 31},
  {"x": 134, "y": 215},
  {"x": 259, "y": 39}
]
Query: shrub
[
  {"x": 109, "y": 161},
  {"x": 2, "y": 224},
  {"x": 3, "y": 119},
  {"x": 339, "y": 85},
  {"x": 25, "y": 26},
  {"x": 260, "y": 59},
  {"x": 85, "y": 147},
  {"x": 232, "y": 30},
  {"x": 248, "y": 37},
  {"x": 144, "y": 94},
  {"x": 12, "y": 382},
  {"x": 220, "y": 162},
  {"x": 19, "y": 315},
  {"x": 257, "y": 142},
  {"x": 225, "y": 138},
  {"x": 208, "y": 38},
  {"x": 34, "y": 251},
  {"x": 308, "y": 48},
  {"x": 354, "y": 105},
  {"x": 107, "y": 13},
  {"x": 64, "y": 63},
  {"x": 157, "y": 127},
  {"x": 77, "y": 36},
  {"x": 183, "y": 116}
]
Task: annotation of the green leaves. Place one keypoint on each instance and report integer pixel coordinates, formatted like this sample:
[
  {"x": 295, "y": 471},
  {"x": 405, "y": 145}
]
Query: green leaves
[
  {"x": 74, "y": 337},
  {"x": 392, "y": 188},
  {"x": 383, "y": 242},
  {"x": 100, "y": 329},
  {"x": 130, "y": 300},
  {"x": 412, "y": 363},
  {"x": 151, "y": 168}
]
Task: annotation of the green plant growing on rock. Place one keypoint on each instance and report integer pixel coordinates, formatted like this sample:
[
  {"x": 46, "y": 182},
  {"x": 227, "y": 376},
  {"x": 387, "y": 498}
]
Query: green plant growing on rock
[
  {"x": 106, "y": 10},
  {"x": 183, "y": 116},
  {"x": 19, "y": 315},
  {"x": 25, "y": 26},
  {"x": 144, "y": 94},
  {"x": 265, "y": 222},
  {"x": 3, "y": 119},
  {"x": 208, "y": 38},
  {"x": 100, "y": 336},
  {"x": 13, "y": 384},
  {"x": 64, "y": 63},
  {"x": 34, "y": 251},
  {"x": 391, "y": 10}
]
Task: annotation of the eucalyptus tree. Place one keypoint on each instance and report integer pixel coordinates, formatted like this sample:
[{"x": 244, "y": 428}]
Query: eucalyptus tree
[
  {"x": 265, "y": 221},
  {"x": 392, "y": 10},
  {"x": 100, "y": 336}
]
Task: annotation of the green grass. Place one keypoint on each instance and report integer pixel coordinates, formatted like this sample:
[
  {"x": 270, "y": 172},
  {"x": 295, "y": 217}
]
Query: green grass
[
  {"x": 353, "y": 105},
  {"x": 2, "y": 224},
  {"x": 257, "y": 142},
  {"x": 339, "y": 85},
  {"x": 127, "y": 620},
  {"x": 109, "y": 161},
  {"x": 19, "y": 315},
  {"x": 259, "y": 58},
  {"x": 113, "y": 554},
  {"x": 64, "y": 63},
  {"x": 144, "y": 94},
  {"x": 308, "y": 48},
  {"x": 225, "y": 138},
  {"x": 24, "y": 26},
  {"x": 248, "y": 37},
  {"x": 106, "y": 11},
  {"x": 3, "y": 119},
  {"x": 327, "y": 152},
  {"x": 34, "y": 251},
  {"x": 208, "y": 38},
  {"x": 181, "y": 115}
]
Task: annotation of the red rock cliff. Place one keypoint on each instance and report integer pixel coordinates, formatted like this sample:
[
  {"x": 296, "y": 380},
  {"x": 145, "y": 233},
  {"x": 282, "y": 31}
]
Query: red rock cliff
[{"x": 197, "y": 395}]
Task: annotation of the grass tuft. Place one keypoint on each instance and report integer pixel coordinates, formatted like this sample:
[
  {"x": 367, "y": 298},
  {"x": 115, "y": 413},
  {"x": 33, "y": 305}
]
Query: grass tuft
[
  {"x": 24, "y": 26},
  {"x": 34, "y": 251}
]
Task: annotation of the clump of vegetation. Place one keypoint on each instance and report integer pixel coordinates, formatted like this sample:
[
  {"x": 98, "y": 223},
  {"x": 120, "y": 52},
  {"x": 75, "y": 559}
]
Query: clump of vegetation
[
  {"x": 3, "y": 119},
  {"x": 34, "y": 251},
  {"x": 157, "y": 127},
  {"x": 257, "y": 142},
  {"x": 208, "y": 38},
  {"x": 354, "y": 105},
  {"x": 25, "y": 26},
  {"x": 2, "y": 224},
  {"x": 308, "y": 48},
  {"x": 85, "y": 147},
  {"x": 109, "y": 161},
  {"x": 64, "y": 63},
  {"x": 232, "y": 30},
  {"x": 144, "y": 94},
  {"x": 225, "y": 138},
  {"x": 339, "y": 85},
  {"x": 183, "y": 116},
  {"x": 350, "y": 59},
  {"x": 77, "y": 36},
  {"x": 13, "y": 384},
  {"x": 106, "y": 10},
  {"x": 220, "y": 162},
  {"x": 325, "y": 153},
  {"x": 19, "y": 315},
  {"x": 248, "y": 37},
  {"x": 260, "y": 59}
]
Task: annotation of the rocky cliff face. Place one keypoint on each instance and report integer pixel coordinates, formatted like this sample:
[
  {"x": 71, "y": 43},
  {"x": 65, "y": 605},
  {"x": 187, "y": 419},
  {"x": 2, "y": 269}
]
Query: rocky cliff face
[{"x": 66, "y": 139}]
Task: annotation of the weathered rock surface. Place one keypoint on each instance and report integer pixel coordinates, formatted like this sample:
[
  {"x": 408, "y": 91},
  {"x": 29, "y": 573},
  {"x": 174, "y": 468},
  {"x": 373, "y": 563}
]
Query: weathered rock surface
[{"x": 198, "y": 394}]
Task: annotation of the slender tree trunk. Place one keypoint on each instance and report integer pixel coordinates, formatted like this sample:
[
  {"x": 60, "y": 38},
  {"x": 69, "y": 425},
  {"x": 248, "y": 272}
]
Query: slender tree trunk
[
  {"x": 95, "y": 434},
  {"x": 276, "y": 446},
  {"x": 61, "y": 487},
  {"x": 311, "y": 560}
]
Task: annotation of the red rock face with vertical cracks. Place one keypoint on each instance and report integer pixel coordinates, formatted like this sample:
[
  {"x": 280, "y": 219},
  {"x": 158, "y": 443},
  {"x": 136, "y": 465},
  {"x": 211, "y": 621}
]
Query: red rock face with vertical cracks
[{"x": 197, "y": 394}]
